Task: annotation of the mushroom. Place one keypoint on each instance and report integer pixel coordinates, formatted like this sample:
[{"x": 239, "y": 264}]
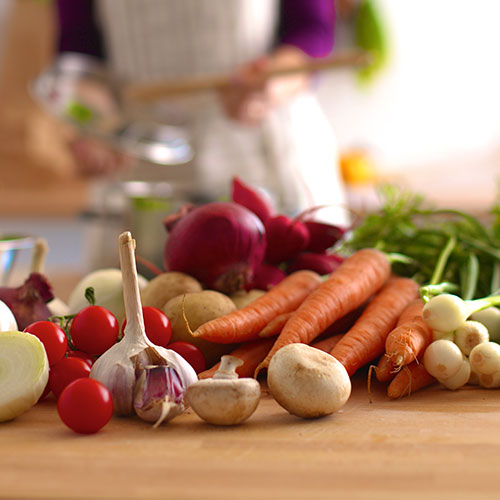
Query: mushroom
[
  {"x": 224, "y": 399},
  {"x": 307, "y": 382}
]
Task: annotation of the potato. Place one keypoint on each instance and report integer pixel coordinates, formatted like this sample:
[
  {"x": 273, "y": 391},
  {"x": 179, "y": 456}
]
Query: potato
[
  {"x": 166, "y": 286},
  {"x": 243, "y": 298},
  {"x": 199, "y": 307}
]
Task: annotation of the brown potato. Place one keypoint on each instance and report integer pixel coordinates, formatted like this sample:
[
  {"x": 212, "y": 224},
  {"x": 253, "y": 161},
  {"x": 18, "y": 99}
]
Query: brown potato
[
  {"x": 242, "y": 298},
  {"x": 166, "y": 286},
  {"x": 199, "y": 307}
]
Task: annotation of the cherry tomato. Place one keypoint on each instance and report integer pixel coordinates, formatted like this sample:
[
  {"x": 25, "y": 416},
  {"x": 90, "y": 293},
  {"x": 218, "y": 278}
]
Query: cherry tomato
[
  {"x": 94, "y": 330},
  {"x": 65, "y": 371},
  {"x": 85, "y": 406},
  {"x": 52, "y": 338},
  {"x": 157, "y": 325},
  {"x": 190, "y": 353},
  {"x": 81, "y": 355}
]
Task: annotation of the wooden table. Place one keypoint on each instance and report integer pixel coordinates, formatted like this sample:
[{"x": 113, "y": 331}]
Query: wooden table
[{"x": 435, "y": 443}]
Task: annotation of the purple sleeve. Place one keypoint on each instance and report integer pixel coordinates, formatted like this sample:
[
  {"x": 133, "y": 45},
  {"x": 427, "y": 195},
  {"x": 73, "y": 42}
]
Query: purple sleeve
[
  {"x": 77, "y": 28},
  {"x": 309, "y": 25}
]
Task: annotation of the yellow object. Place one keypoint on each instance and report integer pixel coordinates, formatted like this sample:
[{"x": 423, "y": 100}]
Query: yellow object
[{"x": 357, "y": 167}]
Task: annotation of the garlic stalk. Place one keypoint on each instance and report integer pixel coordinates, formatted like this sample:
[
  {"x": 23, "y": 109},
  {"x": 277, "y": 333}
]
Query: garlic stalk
[{"x": 121, "y": 366}]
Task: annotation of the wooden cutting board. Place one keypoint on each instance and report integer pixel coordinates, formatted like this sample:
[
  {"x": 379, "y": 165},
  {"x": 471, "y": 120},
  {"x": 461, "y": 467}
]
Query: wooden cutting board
[{"x": 436, "y": 443}]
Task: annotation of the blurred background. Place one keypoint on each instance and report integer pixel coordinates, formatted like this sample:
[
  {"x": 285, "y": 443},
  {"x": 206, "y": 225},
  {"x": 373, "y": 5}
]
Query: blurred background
[{"x": 427, "y": 118}]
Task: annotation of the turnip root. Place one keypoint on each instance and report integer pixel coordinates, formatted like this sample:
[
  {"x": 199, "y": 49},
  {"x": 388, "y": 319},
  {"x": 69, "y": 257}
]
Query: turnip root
[
  {"x": 307, "y": 382},
  {"x": 166, "y": 286}
]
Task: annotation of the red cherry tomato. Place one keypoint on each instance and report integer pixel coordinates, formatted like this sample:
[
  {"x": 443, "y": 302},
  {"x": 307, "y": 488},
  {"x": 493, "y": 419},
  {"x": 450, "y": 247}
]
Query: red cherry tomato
[
  {"x": 85, "y": 406},
  {"x": 157, "y": 325},
  {"x": 190, "y": 353},
  {"x": 81, "y": 355},
  {"x": 52, "y": 338},
  {"x": 64, "y": 372},
  {"x": 94, "y": 330}
]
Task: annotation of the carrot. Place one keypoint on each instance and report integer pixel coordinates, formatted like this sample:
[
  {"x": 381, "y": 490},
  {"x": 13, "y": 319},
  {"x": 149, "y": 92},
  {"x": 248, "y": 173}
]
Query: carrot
[
  {"x": 365, "y": 341},
  {"x": 414, "y": 308},
  {"x": 329, "y": 343},
  {"x": 347, "y": 288},
  {"x": 386, "y": 370},
  {"x": 251, "y": 353},
  {"x": 412, "y": 378},
  {"x": 246, "y": 323},
  {"x": 408, "y": 340},
  {"x": 275, "y": 326}
]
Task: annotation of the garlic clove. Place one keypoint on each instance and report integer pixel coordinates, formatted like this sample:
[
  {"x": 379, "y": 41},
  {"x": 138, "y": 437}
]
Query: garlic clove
[{"x": 159, "y": 394}]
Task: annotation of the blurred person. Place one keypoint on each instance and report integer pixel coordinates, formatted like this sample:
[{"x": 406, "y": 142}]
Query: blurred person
[{"x": 271, "y": 132}]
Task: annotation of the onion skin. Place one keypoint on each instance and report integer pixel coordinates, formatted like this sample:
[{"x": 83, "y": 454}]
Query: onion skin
[
  {"x": 28, "y": 303},
  {"x": 221, "y": 244}
]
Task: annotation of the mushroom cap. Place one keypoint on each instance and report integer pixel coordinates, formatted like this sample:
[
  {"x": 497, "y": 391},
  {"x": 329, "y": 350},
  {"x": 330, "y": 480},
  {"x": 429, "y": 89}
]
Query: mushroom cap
[
  {"x": 224, "y": 401},
  {"x": 307, "y": 382}
]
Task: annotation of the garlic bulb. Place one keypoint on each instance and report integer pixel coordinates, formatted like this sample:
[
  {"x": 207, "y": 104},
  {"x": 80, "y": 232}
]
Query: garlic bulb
[{"x": 122, "y": 365}]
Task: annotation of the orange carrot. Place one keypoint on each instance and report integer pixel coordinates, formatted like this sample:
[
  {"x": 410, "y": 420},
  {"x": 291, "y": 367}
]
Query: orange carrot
[
  {"x": 251, "y": 353},
  {"x": 347, "y": 288},
  {"x": 365, "y": 341},
  {"x": 246, "y": 323},
  {"x": 410, "y": 379},
  {"x": 275, "y": 326},
  {"x": 408, "y": 340},
  {"x": 414, "y": 308},
  {"x": 329, "y": 343},
  {"x": 385, "y": 369}
]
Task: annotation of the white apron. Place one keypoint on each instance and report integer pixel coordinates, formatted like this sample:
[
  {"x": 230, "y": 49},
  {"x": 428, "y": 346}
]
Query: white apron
[{"x": 292, "y": 154}]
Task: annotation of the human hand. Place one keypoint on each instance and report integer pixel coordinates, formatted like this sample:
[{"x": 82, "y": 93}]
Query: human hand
[{"x": 254, "y": 93}]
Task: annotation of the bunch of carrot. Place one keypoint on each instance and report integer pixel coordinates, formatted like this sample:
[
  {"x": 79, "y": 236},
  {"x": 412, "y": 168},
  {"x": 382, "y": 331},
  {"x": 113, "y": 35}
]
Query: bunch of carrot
[{"x": 388, "y": 325}]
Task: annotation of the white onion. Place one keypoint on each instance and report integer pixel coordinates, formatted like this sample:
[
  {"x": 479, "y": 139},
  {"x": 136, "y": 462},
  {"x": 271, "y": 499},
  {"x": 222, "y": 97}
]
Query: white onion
[
  {"x": 443, "y": 359},
  {"x": 108, "y": 291},
  {"x": 24, "y": 371},
  {"x": 7, "y": 319}
]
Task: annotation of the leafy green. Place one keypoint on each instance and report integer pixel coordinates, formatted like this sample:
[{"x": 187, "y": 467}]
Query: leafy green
[{"x": 433, "y": 245}]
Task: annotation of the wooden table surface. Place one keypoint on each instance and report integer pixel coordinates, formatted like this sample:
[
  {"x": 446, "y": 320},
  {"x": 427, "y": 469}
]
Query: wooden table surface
[{"x": 436, "y": 443}]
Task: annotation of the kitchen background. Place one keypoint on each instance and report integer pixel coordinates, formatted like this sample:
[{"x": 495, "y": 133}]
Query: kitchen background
[{"x": 428, "y": 120}]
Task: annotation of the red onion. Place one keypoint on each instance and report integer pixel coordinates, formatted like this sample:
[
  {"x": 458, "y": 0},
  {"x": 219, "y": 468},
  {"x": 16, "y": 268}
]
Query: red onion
[
  {"x": 28, "y": 302},
  {"x": 220, "y": 244}
]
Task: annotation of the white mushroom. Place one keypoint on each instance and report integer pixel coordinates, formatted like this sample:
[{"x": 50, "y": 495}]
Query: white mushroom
[
  {"x": 224, "y": 399},
  {"x": 307, "y": 382}
]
